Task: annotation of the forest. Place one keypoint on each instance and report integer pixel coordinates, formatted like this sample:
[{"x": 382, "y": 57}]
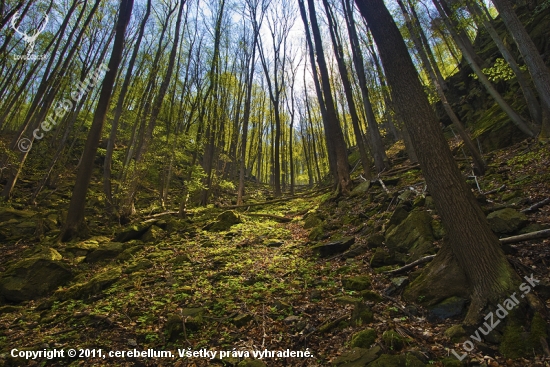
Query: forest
[{"x": 250, "y": 183}]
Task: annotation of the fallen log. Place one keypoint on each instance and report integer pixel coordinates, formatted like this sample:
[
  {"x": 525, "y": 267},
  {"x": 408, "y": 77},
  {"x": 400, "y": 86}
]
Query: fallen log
[
  {"x": 535, "y": 206},
  {"x": 525, "y": 237},
  {"x": 422, "y": 260}
]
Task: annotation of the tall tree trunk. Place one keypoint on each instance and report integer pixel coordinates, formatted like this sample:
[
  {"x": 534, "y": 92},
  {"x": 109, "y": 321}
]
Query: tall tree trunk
[
  {"x": 74, "y": 224},
  {"x": 423, "y": 49},
  {"x": 339, "y": 53},
  {"x": 470, "y": 239},
  {"x": 380, "y": 159},
  {"x": 335, "y": 129}
]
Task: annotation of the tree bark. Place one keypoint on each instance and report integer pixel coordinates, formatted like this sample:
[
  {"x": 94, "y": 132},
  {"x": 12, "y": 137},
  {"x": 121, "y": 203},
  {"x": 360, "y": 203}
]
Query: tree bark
[
  {"x": 470, "y": 239},
  {"x": 74, "y": 224}
]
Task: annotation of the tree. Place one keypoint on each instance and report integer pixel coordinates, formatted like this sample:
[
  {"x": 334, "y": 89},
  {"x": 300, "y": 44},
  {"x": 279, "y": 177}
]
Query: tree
[
  {"x": 534, "y": 62},
  {"x": 335, "y": 130},
  {"x": 471, "y": 246},
  {"x": 74, "y": 224}
]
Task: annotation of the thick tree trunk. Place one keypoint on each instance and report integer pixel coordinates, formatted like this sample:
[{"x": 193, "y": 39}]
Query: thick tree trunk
[
  {"x": 74, "y": 224},
  {"x": 470, "y": 239}
]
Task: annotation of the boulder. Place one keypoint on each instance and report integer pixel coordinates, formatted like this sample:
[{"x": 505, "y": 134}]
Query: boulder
[
  {"x": 84, "y": 247},
  {"x": 312, "y": 220},
  {"x": 33, "y": 278},
  {"x": 414, "y": 236},
  {"x": 364, "y": 338},
  {"x": 361, "y": 189},
  {"x": 105, "y": 251},
  {"x": 506, "y": 220},
  {"x": 153, "y": 234},
  {"x": 333, "y": 247},
  {"x": 450, "y": 307},
  {"x": 132, "y": 233},
  {"x": 242, "y": 319},
  {"x": 357, "y": 283},
  {"x": 93, "y": 286},
  {"x": 393, "y": 340},
  {"x": 382, "y": 257},
  {"x": 223, "y": 222}
]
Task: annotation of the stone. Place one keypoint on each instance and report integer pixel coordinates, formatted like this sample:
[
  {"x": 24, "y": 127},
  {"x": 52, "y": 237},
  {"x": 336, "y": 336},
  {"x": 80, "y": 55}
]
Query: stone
[
  {"x": 357, "y": 283},
  {"x": 273, "y": 243},
  {"x": 364, "y": 338},
  {"x": 93, "y": 286},
  {"x": 370, "y": 296},
  {"x": 357, "y": 357},
  {"x": 312, "y": 220},
  {"x": 317, "y": 233},
  {"x": 376, "y": 240},
  {"x": 506, "y": 220},
  {"x": 84, "y": 247},
  {"x": 398, "y": 216},
  {"x": 333, "y": 247},
  {"x": 132, "y": 233},
  {"x": 456, "y": 333},
  {"x": 9, "y": 213},
  {"x": 414, "y": 236},
  {"x": 153, "y": 234},
  {"x": 242, "y": 319},
  {"x": 450, "y": 307},
  {"x": 33, "y": 278},
  {"x": 381, "y": 257},
  {"x": 105, "y": 251},
  {"x": 361, "y": 315},
  {"x": 361, "y": 189},
  {"x": 223, "y": 222},
  {"x": 347, "y": 300}
]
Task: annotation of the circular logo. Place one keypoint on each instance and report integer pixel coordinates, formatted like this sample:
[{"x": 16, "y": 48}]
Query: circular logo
[{"x": 24, "y": 145}]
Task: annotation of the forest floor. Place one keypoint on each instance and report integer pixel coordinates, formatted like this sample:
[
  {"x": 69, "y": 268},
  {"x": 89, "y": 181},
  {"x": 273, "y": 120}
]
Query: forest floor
[{"x": 172, "y": 284}]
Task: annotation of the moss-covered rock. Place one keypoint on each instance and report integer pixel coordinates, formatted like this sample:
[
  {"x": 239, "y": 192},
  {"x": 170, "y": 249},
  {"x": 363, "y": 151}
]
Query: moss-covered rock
[
  {"x": 371, "y": 296},
  {"x": 539, "y": 329},
  {"x": 364, "y": 338},
  {"x": 513, "y": 343},
  {"x": 382, "y": 257},
  {"x": 153, "y": 234},
  {"x": 414, "y": 235},
  {"x": 105, "y": 251},
  {"x": 361, "y": 189},
  {"x": 224, "y": 221},
  {"x": 506, "y": 220},
  {"x": 133, "y": 232},
  {"x": 93, "y": 286},
  {"x": 242, "y": 319},
  {"x": 361, "y": 315},
  {"x": 456, "y": 333},
  {"x": 333, "y": 247},
  {"x": 317, "y": 233},
  {"x": 450, "y": 307},
  {"x": 312, "y": 220},
  {"x": 357, "y": 283},
  {"x": 34, "y": 277}
]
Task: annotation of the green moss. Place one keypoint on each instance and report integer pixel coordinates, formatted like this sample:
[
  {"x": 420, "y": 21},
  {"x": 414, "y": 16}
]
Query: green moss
[
  {"x": 513, "y": 344},
  {"x": 538, "y": 330},
  {"x": 364, "y": 338},
  {"x": 387, "y": 360},
  {"x": 357, "y": 283}
]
